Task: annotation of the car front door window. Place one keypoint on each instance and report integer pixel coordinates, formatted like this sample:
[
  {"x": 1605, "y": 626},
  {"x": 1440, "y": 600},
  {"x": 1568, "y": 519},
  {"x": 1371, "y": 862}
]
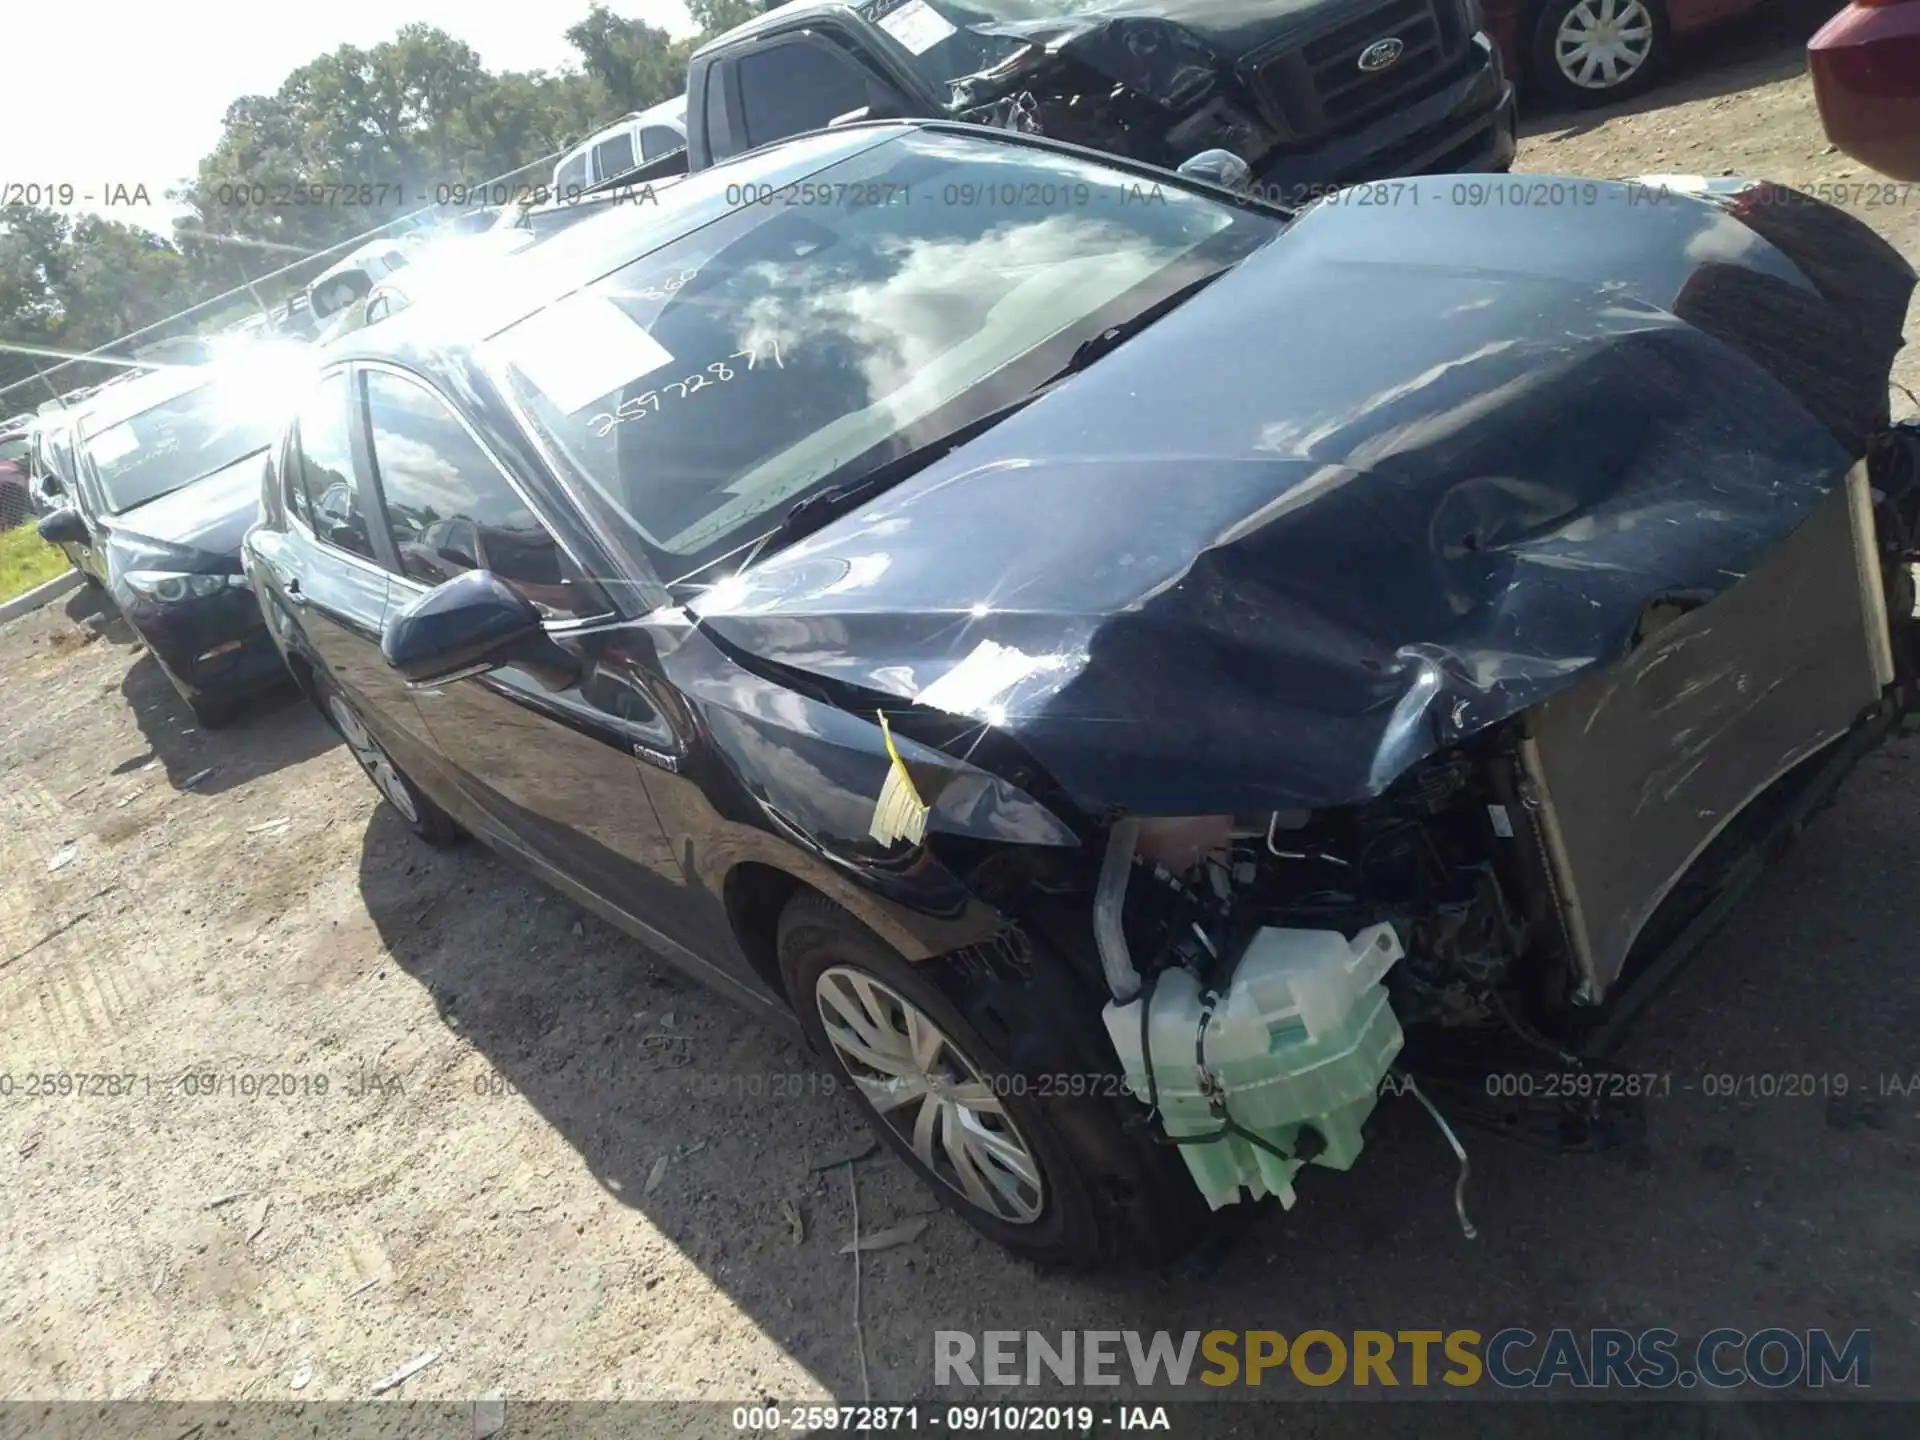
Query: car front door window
[
  {"x": 658, "y": 140},
  {"x": 324, "y": 471},
  {"x": 451, "y": 508}
]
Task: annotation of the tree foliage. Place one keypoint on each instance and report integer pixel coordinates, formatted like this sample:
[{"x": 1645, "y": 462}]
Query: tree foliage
[
  {"x": 634, "y": 63},
  {"x": 350, "y": 141}
]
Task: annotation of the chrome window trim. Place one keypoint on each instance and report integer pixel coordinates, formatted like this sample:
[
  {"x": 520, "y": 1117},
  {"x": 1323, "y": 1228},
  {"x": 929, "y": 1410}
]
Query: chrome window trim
[{"x": 333, "y": 551}]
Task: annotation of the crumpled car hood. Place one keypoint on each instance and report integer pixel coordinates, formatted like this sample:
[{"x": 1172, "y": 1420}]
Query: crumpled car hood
[{"x": 1399, "y": 476}]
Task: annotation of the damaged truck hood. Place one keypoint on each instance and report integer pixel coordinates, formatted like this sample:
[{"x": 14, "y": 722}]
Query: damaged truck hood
[
  {"x": 1400, "y": 475},
  {"x": 1230, "y": 27}
]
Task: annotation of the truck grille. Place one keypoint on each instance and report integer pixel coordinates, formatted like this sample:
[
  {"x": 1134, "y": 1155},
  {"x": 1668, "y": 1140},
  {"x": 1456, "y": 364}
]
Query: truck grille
[{"x": 1317, "y": 85}]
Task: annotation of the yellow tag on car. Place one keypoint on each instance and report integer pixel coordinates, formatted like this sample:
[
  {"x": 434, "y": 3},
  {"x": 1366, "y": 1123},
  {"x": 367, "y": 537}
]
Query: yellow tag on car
[{"x": 900, "y": 813}]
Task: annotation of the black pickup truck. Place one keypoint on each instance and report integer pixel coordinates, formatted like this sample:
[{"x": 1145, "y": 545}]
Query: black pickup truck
[{"x": 1311, "y": 94}]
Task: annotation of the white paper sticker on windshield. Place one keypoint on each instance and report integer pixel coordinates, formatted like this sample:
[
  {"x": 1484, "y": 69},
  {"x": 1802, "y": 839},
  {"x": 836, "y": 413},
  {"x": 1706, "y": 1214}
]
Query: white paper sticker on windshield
[
  {"x": 917, "y": 25},
  {"x": 581, "y": 349},
  {"x": 115, "y": 443}
]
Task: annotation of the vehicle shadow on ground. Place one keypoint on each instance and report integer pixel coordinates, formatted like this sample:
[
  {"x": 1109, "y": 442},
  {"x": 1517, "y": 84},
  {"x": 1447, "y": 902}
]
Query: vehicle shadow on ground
[
  {"x": 1729, "y": 1214},
  {"x": 1760, "y": 49},
  {"x": 275, "y": 727}
]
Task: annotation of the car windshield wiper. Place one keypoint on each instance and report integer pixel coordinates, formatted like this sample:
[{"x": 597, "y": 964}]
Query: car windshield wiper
[
  {"x": 809, "y": 514},
  {"x": 1109, "y": 339}
]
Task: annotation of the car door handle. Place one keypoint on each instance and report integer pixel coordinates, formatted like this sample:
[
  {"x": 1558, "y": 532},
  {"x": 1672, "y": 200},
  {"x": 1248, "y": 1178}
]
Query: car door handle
[{"x": 293, "y": 590}]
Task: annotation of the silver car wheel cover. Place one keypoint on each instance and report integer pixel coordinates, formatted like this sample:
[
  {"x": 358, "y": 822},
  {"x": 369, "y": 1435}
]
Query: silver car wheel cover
[
  {"x": 1602, "y": 44},
  {"x": 926, "y": 1088},
  {"x": 373, "y": 759}
]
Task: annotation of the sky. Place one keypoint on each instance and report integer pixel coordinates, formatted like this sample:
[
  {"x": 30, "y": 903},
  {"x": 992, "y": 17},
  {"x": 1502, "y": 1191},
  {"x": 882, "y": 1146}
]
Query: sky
[{"x": 119, "y": 93}]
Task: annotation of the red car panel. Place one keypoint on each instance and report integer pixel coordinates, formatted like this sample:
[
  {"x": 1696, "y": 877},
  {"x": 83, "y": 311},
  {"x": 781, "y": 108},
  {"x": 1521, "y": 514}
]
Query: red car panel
[{"x": 1866, "y": 78}]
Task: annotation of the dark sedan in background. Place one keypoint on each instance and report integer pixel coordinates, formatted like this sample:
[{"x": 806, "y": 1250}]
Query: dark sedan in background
[
  {"x": 16, "y": 449},
  {"x": 166, "y": 480},
  {"x": 982, "y": 631}
]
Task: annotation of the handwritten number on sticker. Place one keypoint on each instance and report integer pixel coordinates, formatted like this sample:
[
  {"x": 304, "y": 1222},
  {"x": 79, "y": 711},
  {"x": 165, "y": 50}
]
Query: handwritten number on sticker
[{"x": 717, "y": 373}]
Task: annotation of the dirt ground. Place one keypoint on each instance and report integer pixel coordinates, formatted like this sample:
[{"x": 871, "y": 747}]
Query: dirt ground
[{"x": 564, "y": 1172}]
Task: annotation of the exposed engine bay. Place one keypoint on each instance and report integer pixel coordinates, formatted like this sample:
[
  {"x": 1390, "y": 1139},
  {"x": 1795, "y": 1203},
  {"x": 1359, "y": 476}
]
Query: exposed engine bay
[{"x": 1495, "y": 905}]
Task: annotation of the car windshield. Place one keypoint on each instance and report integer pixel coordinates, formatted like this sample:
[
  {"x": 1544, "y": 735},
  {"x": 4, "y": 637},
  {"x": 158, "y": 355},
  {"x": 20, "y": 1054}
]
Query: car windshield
[
  {"x": 179, "y": 440},
  {"x": 785, "y": 348}
]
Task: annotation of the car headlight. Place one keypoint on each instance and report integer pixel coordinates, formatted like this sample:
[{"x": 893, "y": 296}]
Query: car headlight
[{"x": 170, "y": 587}]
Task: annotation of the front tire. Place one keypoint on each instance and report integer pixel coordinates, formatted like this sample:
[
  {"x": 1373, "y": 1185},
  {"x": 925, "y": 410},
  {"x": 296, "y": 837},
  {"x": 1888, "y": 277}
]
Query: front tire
[
  {"x": 1599, "y": 52},
  {"x": 406, "y": 799},
  {"x": 998, "y": 1088}
]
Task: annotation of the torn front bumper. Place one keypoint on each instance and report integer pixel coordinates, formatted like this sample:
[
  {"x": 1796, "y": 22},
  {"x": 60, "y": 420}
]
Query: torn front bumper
[{"x": 1634, "y": 772}]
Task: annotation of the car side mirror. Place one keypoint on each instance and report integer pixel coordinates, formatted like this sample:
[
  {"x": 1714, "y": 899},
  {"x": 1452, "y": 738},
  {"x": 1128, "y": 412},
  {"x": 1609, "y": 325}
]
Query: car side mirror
[
  {"x": 473, "y": 623},
  {"x": 63, "y": 527},
  {"x": 1219, "y": 167}
]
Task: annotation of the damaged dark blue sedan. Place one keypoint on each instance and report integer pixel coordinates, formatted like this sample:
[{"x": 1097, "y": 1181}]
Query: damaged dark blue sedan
[{"x": 1138, "y": 674}]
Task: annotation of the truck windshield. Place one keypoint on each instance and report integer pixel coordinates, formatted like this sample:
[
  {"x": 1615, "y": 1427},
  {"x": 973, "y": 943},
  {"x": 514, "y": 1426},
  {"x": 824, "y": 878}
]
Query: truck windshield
[
  {"x": 943, "y": 38},
  {"x": 820, "y": 330}
]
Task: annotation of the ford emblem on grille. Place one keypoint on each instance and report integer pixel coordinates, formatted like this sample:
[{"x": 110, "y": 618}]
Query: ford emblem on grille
[{"x": 1382, "y": 53}]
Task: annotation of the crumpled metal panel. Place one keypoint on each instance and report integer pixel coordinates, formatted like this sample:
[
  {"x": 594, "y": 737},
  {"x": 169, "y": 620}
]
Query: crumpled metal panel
[
  {"x": 1403, "y": 474},
  {"x": 1638, "y": 768}
]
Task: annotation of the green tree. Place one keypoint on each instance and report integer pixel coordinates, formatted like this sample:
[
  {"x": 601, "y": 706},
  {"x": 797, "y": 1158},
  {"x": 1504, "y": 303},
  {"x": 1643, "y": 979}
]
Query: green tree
[
  {"x": 348, "y": 142},
  {"x": 716, "y": 17},
  {"x": 77, "y": 285},
  {"x": 636, "y": 64},
  {"x": 361, "y": 136}
]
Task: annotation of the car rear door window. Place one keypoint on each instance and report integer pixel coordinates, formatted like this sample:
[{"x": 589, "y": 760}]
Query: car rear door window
[
  {"x": 324, "y": 472},
  {"x": 793, "y": 87},
  {"x": 613, "y": 156},
  {"x": 451, "y": 508}
]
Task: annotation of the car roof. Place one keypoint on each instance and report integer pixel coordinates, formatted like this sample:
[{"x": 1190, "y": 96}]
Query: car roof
[
  {"x": 356, "y": 256},
  {"x": 672, "y": 111}
]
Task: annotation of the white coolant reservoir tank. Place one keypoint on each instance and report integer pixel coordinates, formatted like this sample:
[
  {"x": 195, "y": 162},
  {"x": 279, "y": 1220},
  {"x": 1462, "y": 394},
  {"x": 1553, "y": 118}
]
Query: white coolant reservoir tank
[{"x": 1300, "y": 1039}]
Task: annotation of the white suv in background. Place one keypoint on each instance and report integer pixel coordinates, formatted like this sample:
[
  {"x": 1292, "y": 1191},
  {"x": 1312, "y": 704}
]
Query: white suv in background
[{"x": 631, "y": 141}]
